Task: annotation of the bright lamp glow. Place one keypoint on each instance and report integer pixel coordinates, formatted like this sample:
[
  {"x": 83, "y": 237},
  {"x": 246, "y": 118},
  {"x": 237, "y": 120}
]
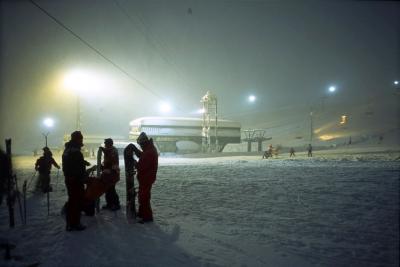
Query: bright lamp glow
[
  {"x": 332, "y": 89},
  {"x": 48, "y": 122},
  {"x": 343, "y": 119},
  {"x": 396, "y": 82},
  {"x": 165, "y": 107},
  {"x": 83, "y": 82},
  {"x": 252, "y": 98}
]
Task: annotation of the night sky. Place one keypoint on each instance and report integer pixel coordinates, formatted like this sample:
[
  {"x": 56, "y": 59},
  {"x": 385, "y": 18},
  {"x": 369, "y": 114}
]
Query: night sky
[{"x": 142, "y": 53}]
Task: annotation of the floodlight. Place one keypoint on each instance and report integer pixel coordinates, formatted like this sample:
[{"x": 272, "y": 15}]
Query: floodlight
[
  {"x": 165, "y": 107},
  {"x": 48, "y": 122},
  {"x": 252, "y": 98}
]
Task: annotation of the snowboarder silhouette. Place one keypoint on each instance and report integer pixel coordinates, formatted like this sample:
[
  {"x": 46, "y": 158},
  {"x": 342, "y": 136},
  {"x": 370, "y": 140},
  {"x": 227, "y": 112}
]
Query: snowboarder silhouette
[
  {"x": 292, "y": 152},
  {"x": 43, "y": 165},
  {"x": 309, "y": 149},
  {"x": 111, "y": 167}
]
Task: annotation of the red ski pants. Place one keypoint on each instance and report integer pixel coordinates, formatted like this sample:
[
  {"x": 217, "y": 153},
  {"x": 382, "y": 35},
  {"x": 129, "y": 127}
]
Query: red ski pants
[{"x": 144, "y": 196}]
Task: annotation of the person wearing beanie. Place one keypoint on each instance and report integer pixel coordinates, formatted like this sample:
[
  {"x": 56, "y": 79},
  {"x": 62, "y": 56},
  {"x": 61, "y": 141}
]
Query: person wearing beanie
[
  {"x": 74, "y": 168},
  {"x": 147, "y": 172},
  {"x": 111, "y": 167}
]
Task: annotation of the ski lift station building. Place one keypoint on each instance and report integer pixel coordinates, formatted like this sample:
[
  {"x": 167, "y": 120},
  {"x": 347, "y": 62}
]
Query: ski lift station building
[{"x": 172, "y": 134}]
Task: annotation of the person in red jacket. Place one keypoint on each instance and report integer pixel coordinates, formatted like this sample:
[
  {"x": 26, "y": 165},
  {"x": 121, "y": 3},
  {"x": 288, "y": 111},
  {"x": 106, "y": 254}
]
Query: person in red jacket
[{"x": 147, "y": 172}]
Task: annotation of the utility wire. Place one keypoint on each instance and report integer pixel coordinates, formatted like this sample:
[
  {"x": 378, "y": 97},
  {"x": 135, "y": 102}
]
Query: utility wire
[
  {"x": 153, "y": 41},
  {"x": 96, "y": 50}
]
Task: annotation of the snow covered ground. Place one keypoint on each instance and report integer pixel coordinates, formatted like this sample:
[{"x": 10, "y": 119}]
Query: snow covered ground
[{"x": 340, "y": 208}]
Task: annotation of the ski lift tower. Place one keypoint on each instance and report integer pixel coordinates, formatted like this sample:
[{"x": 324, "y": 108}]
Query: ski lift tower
[
  {"x": 210, "y": 120},
  {"x": 255, "y": 135}
]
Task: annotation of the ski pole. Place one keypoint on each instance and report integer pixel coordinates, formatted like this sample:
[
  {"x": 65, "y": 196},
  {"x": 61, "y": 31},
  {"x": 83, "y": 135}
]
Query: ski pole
[
  {"x": 24, "y": 191},
  {"x": 18, "y": 198},
  {"x": 58, "y": 171},
  {"x": 48, "y": 202},
  {"x": 30, "y": 180},
  {"x": 10, "y": 186}
]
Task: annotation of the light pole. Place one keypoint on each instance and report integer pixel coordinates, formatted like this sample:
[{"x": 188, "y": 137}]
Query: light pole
[
  {"x": 311, "y": 126},
  {"x": 80, "y": 82},
  {"x": 48, "y": 123},
  {"x": 78, "y": 112}
]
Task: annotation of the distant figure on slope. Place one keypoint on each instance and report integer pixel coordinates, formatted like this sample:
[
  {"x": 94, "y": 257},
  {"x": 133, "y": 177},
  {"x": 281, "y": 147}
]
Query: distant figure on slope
[
  {"x": 111, "y": 167},
  {"x": 309, "y": 149},
  {"x": 74, "y": 168},
  {"x": 268, "y": 153},
  {"x": 147, "y": 172},
  {"x": 43, "y": 165},
  {"x": 292, "y": 152}
]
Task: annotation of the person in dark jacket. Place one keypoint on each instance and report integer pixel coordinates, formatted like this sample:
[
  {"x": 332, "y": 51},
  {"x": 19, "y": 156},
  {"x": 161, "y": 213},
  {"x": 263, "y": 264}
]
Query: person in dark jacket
[
  {"x": 309, "y": 150},
  {"x": 74, "y": 168},
  {"x": 292, "y": 152},
  {"x": 43, "y": 165},
  {"x": 111, "y": 167},
  {"x": 147, "y": 172}
]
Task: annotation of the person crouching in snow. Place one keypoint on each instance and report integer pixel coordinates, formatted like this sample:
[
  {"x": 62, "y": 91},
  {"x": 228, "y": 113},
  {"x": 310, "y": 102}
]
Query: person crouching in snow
[
  {"x": 111, "y": 167},
  {"x": 43, "y": 166},
  {"x": 147, "y": 172}
]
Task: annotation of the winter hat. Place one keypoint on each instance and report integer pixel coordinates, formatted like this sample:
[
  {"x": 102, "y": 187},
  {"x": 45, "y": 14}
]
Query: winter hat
[
  {"x": 142, "y": 138},
  {"x": 77, "y": 137},
  {"x": 108, "y": 141},
  {"x": 47, "y": 151}
]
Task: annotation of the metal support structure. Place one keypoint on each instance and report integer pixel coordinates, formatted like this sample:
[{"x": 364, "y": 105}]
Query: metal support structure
[
  {"x": 45, "y": 138},
  {"x": 311, "y": 126},
  {"x": 210, "y": 120},
  {"x": 255, "y": 135},
  {"x": 78, "y": 113}
]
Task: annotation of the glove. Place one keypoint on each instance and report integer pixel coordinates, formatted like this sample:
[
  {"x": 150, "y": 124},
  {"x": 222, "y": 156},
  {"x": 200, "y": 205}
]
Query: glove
[{"x": 135, "y": 148}]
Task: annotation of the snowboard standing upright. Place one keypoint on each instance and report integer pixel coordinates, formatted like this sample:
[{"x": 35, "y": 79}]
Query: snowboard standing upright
[
  {"x": 98, "y": 173},
  {"x": 130, "y": 172},
  {"x": 10, "y": 184}
]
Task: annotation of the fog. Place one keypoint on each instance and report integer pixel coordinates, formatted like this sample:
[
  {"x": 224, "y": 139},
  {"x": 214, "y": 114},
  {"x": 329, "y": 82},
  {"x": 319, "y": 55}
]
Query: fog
[{"x": 142, "y": 53}]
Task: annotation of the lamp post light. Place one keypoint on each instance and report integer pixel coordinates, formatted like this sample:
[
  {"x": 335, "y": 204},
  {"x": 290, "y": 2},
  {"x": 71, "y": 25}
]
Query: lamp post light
[
  {"x": 78, "y": 112},
  {"x": 48, "y": 123},
  {"x": 252, "y": 98},
  {"x": 82, "y": 83},
  {"x": 165, "y": 107}
]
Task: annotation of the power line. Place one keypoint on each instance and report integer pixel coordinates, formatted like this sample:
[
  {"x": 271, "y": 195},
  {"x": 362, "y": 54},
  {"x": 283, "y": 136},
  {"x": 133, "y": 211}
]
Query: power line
[
  {"x": 153, "y": 41},
  {"x": 96, "y": 50}
]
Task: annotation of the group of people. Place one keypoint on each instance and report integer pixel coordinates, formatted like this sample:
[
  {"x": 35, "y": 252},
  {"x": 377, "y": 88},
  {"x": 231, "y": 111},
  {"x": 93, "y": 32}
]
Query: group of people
[
  {"x": 271, "y": 151},
  {"x": 76, "y": 177}
]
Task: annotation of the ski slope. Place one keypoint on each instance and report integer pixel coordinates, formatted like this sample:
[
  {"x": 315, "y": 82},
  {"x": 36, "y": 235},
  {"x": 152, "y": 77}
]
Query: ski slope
[{"x": 336, "y": 209}]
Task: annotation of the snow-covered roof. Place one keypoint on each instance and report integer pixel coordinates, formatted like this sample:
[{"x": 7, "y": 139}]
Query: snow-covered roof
[{"x": 179, "y": 121}]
